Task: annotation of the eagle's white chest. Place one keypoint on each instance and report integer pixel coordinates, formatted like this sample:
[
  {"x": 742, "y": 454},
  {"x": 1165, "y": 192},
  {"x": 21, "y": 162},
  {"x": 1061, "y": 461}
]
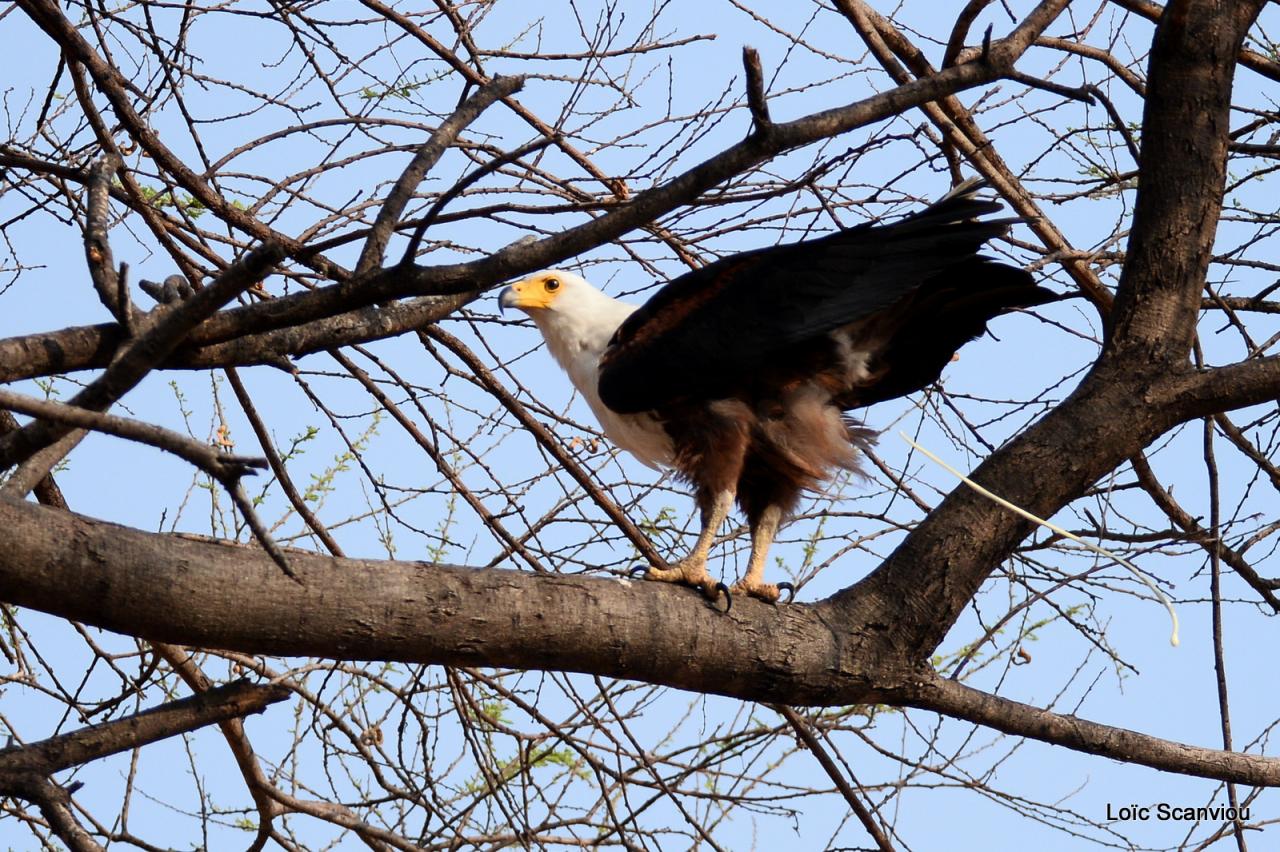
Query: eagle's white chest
[{"x": 577, "y": 347}]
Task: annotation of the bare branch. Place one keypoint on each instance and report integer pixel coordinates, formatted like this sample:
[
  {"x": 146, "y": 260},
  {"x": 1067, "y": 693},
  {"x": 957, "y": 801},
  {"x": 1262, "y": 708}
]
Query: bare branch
[
  {"x": 97, "y": 249},
  {"x": 756, "y": 100},
  {"x": 548, "y": 443},
  {"x": 444, "y": 136},
  {"x": 141, "y": 354},
  {"x": 960, "y": 30},
  {"x": 868, "y": 820},
  {"x": 221, "y": 466},
  {"x": 1012, "y": 717},
  {"x": 55, "y": 754}
]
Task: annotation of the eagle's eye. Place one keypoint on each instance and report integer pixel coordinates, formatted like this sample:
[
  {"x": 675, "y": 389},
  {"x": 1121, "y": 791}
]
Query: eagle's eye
[{"x": 552, "y": 284}]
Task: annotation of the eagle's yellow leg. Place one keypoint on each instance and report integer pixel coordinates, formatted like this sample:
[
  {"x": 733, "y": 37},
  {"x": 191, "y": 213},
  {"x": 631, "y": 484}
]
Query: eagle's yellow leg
[
  {"x": 762, "y": 535},
  {"x": 692, "y": 570}
]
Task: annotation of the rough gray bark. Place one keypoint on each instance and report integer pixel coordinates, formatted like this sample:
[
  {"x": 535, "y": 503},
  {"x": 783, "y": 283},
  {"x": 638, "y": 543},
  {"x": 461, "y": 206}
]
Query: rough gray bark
[{"x": 870, "y": 643}]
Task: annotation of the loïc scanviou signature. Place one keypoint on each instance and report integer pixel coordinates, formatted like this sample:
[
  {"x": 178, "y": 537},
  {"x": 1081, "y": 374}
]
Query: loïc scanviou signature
[{"x": 1165, "y": 812}]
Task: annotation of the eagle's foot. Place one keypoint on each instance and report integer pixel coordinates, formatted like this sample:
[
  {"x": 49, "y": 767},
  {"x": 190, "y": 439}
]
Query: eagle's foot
[
  {"x": 767, "y": 592},
  {"x": 688, "y": 572}
]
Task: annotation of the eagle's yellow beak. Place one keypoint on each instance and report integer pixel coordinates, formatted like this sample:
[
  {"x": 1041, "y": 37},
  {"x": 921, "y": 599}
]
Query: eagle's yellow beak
[{"x": 535, "y": 292}]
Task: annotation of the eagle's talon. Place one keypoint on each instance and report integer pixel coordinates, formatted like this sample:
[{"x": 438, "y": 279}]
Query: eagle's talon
[
  {"x": 693, "y": 575},
  {"x": 791, "y": 591}
]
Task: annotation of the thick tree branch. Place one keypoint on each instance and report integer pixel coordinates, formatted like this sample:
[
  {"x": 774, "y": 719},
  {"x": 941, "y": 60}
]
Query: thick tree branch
[
  {"x": 190, "y": 591},
  {"x": 1201, "y": 393},
  {"x": 1114, "y": 412},
  {"x": 341, "y": 107},
  {"x": 1181, "y": 172},
  {"x": 90, "y": 347},
  {"x": 198, "y": 592},
  {"x": 1250, "y": 59}
]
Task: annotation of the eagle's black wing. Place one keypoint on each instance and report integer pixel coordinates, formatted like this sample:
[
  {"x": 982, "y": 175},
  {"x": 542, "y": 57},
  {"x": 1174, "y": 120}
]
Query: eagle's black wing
[{"x": 715, "y": 332}]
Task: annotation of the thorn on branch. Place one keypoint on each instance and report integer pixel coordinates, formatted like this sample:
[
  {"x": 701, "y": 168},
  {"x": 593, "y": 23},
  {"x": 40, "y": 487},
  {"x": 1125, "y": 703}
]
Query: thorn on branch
[{"x": 755, "y": 91}]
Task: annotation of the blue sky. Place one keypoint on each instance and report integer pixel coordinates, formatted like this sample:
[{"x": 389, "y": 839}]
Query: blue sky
[{"x": 1171, "y": 694}]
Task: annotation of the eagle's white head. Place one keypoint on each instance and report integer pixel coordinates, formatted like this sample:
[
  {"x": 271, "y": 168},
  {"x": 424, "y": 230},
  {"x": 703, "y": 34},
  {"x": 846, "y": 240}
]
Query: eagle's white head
[
  {"x": 577, "y": 322},
  {"x": 575, "y": 318}
]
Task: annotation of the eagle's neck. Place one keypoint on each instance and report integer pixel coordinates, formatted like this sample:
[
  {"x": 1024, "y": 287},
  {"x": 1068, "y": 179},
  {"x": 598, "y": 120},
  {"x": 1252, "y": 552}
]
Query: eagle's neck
[{"x": 578, "y": 333}]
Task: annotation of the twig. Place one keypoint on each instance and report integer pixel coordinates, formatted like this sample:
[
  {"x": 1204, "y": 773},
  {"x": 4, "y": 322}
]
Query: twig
[
  {"x": 39, "y": 467},
  {"x": 233, "y": 731},
  {"x": 1266, "y": 588},
  {"x": 548, "y": 442},
  {"x": 259, "y": 529},
  {"x": 423, "y": 161},
  {"x": 1215, "y": 595},
  {"x": 1021, "y": 512},
  {"x": 959, "y": 128},
  {"x": 143, "y": 352},
  {"x": 457, "y": 189},
  {"x": 446, "y": 470},
  {"x": 811, "y": 742},
  {"x": 217, "y": 464},
  {"x": 1116, "y": 120},
  {"x": 277, "y": 464},
  {"x": 755, "y": 91},
  {"x": 1088, "y": 93},
  {"x": 225, "y": 468}
]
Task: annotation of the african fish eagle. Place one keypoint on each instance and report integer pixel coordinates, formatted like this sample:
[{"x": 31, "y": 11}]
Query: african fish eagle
[{"x": 738, "y": 374}]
